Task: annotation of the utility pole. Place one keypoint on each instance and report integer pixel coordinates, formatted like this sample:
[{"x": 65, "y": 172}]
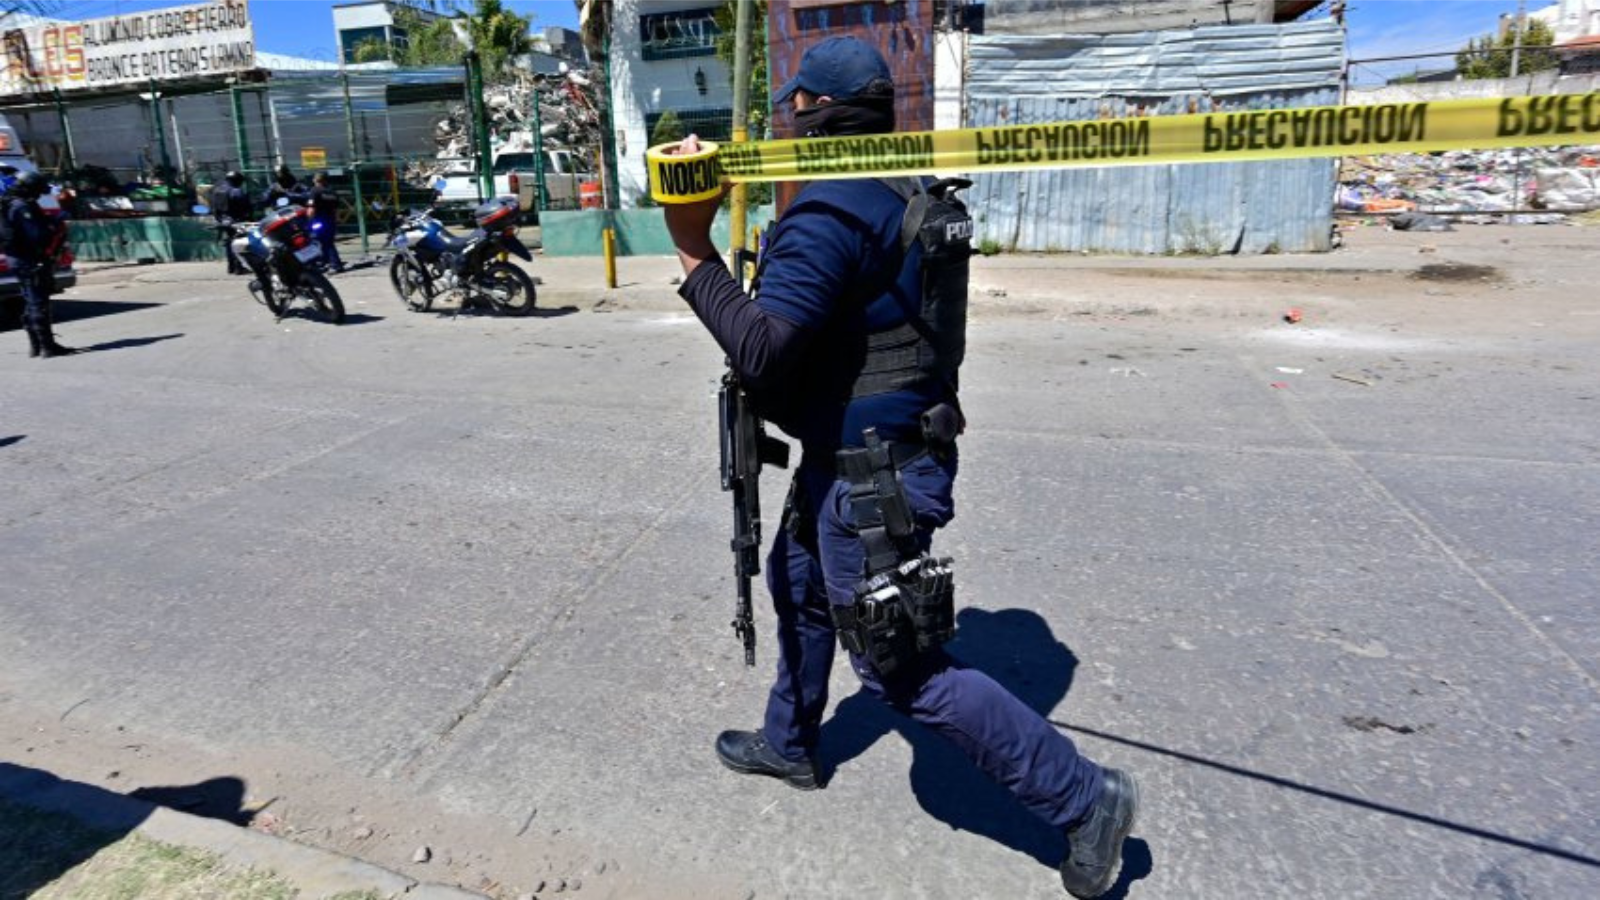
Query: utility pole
[
  {"x": 480, "y": 125},
  {"x": 741, "y": 130},
  {"x": 1516, "y": 47},
  {"x": 1516, "y": 59}
]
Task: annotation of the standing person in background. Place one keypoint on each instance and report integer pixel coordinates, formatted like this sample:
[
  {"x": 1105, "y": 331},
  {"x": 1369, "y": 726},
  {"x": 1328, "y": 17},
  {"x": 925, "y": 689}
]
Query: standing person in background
[
  {"x": 285, "y": 186},
  {"x": 229, "y": 204},
  {"x": 325, "y": 214},
  {"x": 33, "y": 238}
]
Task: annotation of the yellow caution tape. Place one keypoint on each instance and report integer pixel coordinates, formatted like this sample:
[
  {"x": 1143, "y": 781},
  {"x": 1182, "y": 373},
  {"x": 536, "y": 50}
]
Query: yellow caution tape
[
  {"x": 1321, "y": 131},
  {"x": 686, "y": 178}
]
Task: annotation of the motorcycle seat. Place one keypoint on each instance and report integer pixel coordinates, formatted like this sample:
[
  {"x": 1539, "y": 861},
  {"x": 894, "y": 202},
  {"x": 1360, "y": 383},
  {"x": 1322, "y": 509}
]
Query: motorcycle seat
[{"x": 452, "y": 243}]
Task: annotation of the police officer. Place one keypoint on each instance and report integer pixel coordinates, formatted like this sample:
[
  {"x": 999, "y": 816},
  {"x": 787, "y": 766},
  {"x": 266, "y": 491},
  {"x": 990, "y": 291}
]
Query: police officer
[
  {"x": 835, "y": 273},
  {"x": 229, "y": 204},
  {"x": 325, "y": 213},
  {"x": 285, "y": 186},
  {"x": 35, "y": 239}
]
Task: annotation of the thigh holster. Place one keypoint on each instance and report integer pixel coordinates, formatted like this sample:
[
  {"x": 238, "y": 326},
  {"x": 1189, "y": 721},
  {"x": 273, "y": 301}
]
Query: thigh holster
[{"x": 905, "y": 602}]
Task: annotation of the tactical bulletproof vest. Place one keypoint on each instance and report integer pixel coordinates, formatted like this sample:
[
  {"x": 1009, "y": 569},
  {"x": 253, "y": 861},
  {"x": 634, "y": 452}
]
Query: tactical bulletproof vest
[{"x": 927, "y": 348}]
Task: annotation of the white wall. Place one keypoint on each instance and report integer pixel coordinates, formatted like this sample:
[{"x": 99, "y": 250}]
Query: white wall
[
  {"x": 367, "y": 15},
  {"x": 1547, "y": 82},
  {"x": 1579, "y": 18},
  {"x": 949, "y": 78},
  {"x": 640, "y": 87}
]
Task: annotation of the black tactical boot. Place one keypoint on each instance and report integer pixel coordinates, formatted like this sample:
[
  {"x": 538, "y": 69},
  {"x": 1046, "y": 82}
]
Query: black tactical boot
[
  {"x": 47, "y": 339},
  {"x": 1094, "y": 845},
  {"x": 33, "y": 341},
  {"x": 748, "y": 752}
]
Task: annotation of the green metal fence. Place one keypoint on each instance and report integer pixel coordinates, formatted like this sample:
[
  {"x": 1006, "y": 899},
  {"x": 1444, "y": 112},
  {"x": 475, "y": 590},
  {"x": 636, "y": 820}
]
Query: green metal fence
[{"x": 160, "y": 151}]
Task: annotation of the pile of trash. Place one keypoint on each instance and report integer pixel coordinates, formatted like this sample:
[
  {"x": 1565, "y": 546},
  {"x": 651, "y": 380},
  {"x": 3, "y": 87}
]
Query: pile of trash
[
  {"x": 569, "y": 119},
  {"x": 1554, "y": 179}
]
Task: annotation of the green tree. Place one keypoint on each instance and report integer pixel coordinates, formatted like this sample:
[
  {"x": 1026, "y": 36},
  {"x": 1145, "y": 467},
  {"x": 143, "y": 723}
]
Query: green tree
[
  {"x": 1488, "y": 57},
  {"x": 668, "y": 128},
  {"x": 371, "y": 50},
  {"x": 499, "y": 35}
]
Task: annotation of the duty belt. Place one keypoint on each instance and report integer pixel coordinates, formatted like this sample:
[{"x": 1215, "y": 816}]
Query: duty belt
[{"x": 856, "y": 464}]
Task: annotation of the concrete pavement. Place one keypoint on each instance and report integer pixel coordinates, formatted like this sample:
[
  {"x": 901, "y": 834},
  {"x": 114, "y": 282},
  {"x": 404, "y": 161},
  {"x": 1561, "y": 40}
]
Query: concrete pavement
[{"x": 462, "y": 581}]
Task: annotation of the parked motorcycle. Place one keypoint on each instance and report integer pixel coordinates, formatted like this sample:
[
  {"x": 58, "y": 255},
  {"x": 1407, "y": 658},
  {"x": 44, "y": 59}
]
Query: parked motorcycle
[
  {"x": 282, "y": 251},
  {"x": 430, "y": 262}
]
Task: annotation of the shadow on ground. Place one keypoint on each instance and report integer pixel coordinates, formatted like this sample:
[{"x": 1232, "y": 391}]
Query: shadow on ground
[
  {"x": 1016, "y": 648},
  {"x": 64, "y": 310},
  {"x": 127, "y": 343},
  {"x": 49, "y": 825}
]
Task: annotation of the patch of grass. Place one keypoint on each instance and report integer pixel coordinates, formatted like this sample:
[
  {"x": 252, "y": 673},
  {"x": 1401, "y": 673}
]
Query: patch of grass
[
  {"x": 988, "y": 246},
  {"x": 47, "y": 856}
]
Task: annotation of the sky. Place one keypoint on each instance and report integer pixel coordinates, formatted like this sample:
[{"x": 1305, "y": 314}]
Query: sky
[
  {"x": 1380, "y": 28},
  {"x": 1377, "y": 28}
]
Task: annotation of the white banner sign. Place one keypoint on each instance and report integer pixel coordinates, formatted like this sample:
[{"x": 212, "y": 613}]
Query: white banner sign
[{"x": 180, "y": 42}]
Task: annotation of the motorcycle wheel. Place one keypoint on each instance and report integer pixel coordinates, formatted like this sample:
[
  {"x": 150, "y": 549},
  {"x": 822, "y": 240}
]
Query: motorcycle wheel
[
  {"x": 275, "y": 295},
  {"x": 508, "y": 288},
  {"x": 410, "y": 284},
  {"x": 324, "y": 299}
]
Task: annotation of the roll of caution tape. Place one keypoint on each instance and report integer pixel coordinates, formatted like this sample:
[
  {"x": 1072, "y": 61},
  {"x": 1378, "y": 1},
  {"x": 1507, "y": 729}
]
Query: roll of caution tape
[
  {"x": 1299, "y": 133},
  {"x": 688, "y": 178}
]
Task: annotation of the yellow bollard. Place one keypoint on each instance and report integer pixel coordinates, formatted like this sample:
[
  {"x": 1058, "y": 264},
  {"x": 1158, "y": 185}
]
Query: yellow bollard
[{"x": 610, "y": 238}]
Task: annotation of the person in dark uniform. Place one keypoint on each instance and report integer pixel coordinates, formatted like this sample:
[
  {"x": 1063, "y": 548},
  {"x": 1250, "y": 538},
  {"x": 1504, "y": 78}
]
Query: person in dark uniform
[
  {"x": 35, "y": 239},
  {"x": 325, "y": 214},
  {"x": 285, "y": 186},
  {"x": 230, "y": 203},
  {"x": 837, "y": 277}
]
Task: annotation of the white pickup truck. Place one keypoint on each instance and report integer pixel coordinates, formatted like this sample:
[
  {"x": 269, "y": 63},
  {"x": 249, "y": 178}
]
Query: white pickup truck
[{"x": 514, "y": 175}]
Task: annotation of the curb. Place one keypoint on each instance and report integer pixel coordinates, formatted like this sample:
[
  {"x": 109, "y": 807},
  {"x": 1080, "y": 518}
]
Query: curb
[{"x": 313, "y": 871}]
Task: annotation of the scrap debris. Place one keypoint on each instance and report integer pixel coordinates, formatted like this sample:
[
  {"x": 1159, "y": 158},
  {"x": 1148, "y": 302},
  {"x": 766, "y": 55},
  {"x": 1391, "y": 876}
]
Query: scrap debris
[
  {"x": 1556, "y": 181},
  {"x": 569, "y": 119}
]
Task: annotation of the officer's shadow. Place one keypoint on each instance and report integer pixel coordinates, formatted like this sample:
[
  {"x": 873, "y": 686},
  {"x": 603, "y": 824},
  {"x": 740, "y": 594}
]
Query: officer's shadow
[{"x": 1016, "y": 648}]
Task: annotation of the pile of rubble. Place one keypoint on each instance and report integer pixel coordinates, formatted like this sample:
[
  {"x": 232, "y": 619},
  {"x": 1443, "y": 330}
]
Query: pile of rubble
[
  {"x": 569, "y": 119},
  {"x": 1557, "y": 179}
]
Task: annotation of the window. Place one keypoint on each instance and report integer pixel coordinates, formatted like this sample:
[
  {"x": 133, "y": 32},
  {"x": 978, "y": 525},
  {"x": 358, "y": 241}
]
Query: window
[
  {"x": 351, "y": 38},
  {"x": 675, "y": 35},
  {"x": 513, "y": 162}
]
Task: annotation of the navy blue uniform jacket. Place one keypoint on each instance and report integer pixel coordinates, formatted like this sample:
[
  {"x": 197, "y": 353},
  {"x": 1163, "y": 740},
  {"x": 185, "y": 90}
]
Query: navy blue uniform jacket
[{"x": 832, "y": 274}]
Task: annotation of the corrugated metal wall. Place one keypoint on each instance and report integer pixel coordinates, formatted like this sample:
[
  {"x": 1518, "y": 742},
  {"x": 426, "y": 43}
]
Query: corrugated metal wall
[{"x": 1257, "y": 207}]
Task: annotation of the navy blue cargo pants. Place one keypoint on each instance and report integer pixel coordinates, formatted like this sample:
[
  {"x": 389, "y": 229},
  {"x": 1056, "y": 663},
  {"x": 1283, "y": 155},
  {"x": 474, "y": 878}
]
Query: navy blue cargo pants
[
  {"x": 819, "y": 562},
  {"x": 36, "y": 317}
]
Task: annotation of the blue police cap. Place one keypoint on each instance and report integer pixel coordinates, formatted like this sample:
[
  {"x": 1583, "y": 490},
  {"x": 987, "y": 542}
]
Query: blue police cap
[{"x": 839, "y": 67}]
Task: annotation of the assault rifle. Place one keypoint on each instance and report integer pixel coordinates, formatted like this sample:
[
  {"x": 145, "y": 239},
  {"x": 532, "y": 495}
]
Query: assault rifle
[{"x": 745, "y": 448}]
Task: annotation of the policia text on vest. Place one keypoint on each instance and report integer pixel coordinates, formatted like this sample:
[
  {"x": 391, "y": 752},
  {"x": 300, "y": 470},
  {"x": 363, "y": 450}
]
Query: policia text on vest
[{"x": 1203, "y": 137}]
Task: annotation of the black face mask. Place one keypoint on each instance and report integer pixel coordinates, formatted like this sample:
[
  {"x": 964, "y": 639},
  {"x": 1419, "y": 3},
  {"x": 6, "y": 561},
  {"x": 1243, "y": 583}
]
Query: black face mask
[{"x": 858, "y": 115}]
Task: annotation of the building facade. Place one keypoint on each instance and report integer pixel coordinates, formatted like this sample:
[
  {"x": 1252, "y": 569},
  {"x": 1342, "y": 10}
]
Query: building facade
[
  {"x": 371, "y": 20},
  {"x": 663, "y": 59}
]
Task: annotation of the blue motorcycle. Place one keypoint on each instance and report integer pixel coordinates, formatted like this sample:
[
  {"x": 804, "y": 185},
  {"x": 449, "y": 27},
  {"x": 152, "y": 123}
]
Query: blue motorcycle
[{"x": 430, "y": 262}]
